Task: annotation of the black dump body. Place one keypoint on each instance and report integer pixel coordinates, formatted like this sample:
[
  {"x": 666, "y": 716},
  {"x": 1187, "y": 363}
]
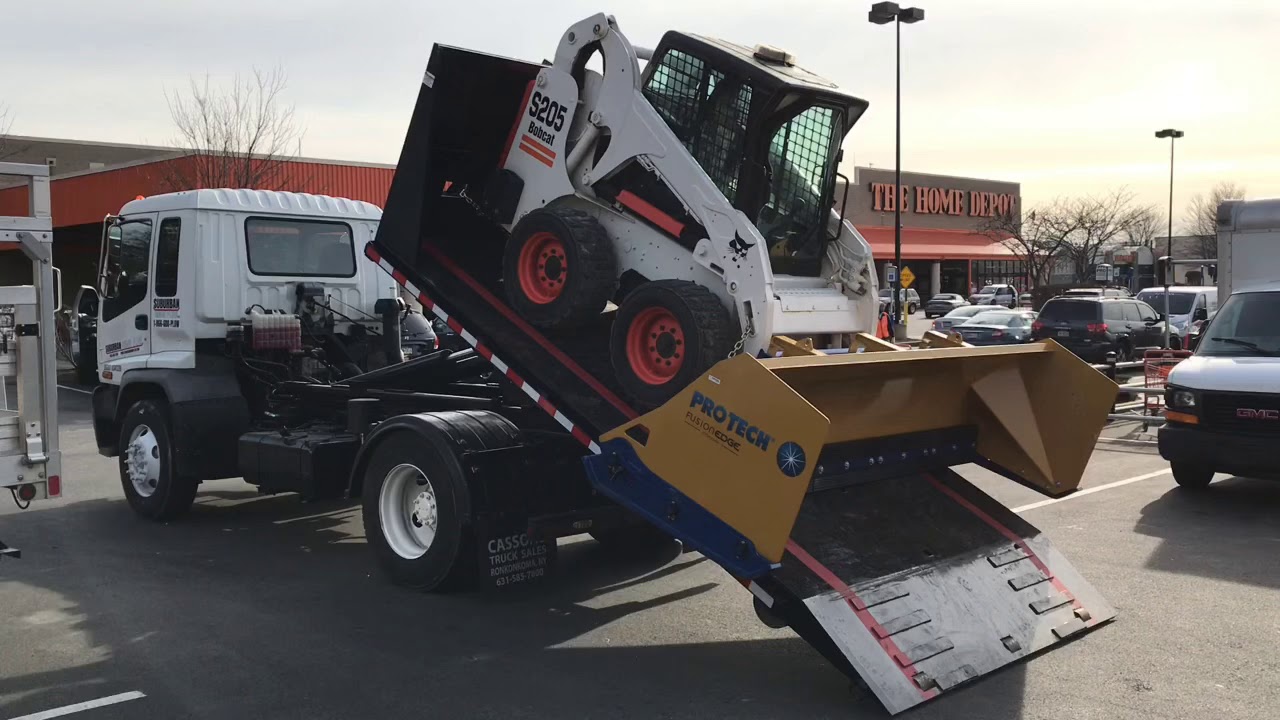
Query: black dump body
[{"x": 448, "y": 250}]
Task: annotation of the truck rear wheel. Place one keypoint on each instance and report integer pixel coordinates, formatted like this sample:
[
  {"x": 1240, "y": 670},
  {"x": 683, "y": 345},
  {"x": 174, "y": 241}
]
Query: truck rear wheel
[
  {"x": 665, "y": 335},
  {"x": 559, "y": 268},
  {"x": 153, "y": 484},
  {"x": 416, "y": 500}
]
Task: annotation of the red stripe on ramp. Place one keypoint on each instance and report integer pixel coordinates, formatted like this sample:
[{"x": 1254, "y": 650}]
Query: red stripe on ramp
[
  {"x": 1013, "y": 537},
  {"x": 581, "y": 435},
  {"x": 399, "y": 277},
  {"x": 527, "y": 329},
  {"x": 372, "y": 253},
  {"x": 900, "y": 659},
  {"x": 545, "y": 404},
  {"x": 484, "y": 351}
]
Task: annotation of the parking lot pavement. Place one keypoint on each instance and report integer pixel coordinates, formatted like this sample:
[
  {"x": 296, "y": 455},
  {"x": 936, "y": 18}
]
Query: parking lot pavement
[{"x": 262, "y": 607}]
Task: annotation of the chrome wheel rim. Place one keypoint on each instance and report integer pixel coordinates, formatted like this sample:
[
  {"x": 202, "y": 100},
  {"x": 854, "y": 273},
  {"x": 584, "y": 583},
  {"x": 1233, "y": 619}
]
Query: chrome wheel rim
[
  {"x": 142, "y": 460},
  {"x": 408, "y": 511}
]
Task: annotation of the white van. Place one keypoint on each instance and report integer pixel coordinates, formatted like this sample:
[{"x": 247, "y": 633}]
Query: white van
[{"x": 1186, "y": 305}]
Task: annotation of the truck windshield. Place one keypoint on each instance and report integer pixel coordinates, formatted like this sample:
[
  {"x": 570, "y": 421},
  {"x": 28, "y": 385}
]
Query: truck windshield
[
  {"x": 299, "y": 248},
  {"x": 1246, "y": 324},
  {"x": 1179, "y": 303}
]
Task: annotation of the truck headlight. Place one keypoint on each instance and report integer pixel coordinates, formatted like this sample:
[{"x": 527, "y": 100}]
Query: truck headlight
[{"x": 1181, "y": 399}]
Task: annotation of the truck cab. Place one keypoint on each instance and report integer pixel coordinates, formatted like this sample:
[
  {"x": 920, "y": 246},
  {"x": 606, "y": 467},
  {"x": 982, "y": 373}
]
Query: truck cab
[
  {"x": 1223, "y": 403},
  {"x": 206, "y": 295}
]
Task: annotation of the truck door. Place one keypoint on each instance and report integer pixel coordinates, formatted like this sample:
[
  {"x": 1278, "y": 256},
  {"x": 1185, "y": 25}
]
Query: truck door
[
  {"x": 170, "y": 332},
  {"x": 124, "y": 333}
]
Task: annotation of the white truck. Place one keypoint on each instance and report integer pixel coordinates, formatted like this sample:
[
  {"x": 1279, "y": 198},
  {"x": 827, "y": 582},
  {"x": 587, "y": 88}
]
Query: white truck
[
  {"x": 1223, "y": 403},
  {"x": 182, "y": 275},
  {"x": 30, "y": 461}
]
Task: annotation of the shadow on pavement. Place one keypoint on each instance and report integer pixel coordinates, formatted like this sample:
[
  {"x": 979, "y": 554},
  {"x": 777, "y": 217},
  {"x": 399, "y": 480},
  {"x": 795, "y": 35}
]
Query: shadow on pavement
[
  {"x": 263, "y": 607},
  {"x": 1228, "y": 532}
]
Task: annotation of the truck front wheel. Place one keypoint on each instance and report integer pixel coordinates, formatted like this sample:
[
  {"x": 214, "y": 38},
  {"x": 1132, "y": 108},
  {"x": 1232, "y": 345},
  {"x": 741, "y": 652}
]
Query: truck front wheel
[
  {"x": 1192, "y": 477},
  {"x": 152, "y": 484}
]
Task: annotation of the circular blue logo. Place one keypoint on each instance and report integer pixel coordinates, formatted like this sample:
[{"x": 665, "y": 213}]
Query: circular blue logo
[{"x": 791, "y": 459}]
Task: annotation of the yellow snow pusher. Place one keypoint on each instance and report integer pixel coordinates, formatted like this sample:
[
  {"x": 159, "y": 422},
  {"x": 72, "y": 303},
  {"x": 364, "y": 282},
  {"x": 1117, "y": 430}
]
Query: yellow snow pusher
[{"x": 823, "y": 484}]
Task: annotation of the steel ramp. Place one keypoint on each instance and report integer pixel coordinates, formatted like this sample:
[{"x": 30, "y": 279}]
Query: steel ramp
[{"x": 920, "y": 583}]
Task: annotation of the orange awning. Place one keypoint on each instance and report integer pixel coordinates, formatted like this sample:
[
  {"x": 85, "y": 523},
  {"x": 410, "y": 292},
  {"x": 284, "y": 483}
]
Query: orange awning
[{"x": 928, "y": 244}]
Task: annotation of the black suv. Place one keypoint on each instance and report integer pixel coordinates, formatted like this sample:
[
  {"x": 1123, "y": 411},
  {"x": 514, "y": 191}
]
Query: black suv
[{"x": 1091, "y": 327}]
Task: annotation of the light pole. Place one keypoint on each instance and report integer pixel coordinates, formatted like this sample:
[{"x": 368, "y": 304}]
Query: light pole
[
  {"x": 883, "y": 13},
  {"x": 1168, "y": 270}
]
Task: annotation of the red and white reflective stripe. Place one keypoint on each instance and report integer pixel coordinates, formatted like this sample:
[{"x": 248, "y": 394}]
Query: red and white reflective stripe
[
  {"x": 484, "y": 351},
  {"x": 758, "y": 591}
]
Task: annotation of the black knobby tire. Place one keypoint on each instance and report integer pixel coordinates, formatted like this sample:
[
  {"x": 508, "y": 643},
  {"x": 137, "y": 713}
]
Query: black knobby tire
[
  {"x": 172, "y": 493},
  {"x": 450, "y": 562},
  {"x": 1192, "y": 477},
  {"x": 704, "y": 323},
  {"x": 584, "y": 282}
]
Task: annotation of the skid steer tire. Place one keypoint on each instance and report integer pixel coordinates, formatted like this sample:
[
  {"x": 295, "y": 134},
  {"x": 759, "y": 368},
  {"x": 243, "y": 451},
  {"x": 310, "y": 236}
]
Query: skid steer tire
[
  {"x": 559, "y": 268},
  {"x": 666, "y": 334},
  {"x": 152, "y": 483},
  {"x": 415, "y": 479}
]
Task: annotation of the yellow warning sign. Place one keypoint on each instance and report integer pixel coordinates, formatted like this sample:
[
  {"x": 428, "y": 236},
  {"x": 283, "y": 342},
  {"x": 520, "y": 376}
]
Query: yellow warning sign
[{"x": 907, "y": 277}]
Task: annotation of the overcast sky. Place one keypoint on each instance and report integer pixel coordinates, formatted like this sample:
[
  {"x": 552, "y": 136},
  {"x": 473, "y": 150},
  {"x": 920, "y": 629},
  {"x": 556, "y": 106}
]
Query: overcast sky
[{"x": 1060, "y": 96}]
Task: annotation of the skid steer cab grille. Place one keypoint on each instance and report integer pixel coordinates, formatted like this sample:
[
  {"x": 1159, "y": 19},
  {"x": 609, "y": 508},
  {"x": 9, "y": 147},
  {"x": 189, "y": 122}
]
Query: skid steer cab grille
[{"x": 859, "y": 461}]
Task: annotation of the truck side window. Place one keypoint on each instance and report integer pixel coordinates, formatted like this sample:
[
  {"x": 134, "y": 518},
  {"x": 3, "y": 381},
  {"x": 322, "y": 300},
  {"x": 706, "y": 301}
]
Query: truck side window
[
  {"x": 129, "y": 274},
  {"x": 167, "y": 257}
]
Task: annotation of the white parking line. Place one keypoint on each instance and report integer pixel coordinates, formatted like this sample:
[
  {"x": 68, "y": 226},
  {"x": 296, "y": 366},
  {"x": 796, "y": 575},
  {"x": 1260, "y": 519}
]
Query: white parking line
[
  {"x": 78, "y": 707},
  {"x": 79, "y": 390},
  {"x": 1092, "y": 490}
]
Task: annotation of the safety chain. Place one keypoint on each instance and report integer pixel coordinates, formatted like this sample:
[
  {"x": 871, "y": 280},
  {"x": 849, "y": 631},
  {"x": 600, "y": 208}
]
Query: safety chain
[
  {"x": 474, "y": 205},
  {"x": 742, "y": 341}
]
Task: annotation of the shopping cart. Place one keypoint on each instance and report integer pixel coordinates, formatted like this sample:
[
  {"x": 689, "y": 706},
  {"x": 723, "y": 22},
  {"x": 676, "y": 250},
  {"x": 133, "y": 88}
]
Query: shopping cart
[{"x": 1156, "y": 366}]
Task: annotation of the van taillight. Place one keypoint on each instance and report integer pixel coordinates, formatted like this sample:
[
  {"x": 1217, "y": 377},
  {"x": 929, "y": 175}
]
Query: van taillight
[
  {"x": 1037, "y": 326},
  {"x": 1097, "y": 328}
]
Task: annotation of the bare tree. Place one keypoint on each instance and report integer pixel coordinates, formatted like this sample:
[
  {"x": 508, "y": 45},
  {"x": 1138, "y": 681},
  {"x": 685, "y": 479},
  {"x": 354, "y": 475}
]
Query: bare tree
[
  {"x": 5, "y": 123},
  {"x": 1091, "y": 225},
  {"x": 1030, "y": 236},
  {"x": 240, "y": 136},
  {"x": 1148, "y": 224},
  {"x": 1202, "y": 215}
]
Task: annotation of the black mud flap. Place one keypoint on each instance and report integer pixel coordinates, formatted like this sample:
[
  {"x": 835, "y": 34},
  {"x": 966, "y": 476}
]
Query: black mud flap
[{"x": 920, "y": 583}]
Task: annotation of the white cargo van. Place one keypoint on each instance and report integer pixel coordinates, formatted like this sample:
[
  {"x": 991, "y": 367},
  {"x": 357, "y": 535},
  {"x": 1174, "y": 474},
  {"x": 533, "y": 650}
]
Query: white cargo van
[{"x": 1223, "y": 403}]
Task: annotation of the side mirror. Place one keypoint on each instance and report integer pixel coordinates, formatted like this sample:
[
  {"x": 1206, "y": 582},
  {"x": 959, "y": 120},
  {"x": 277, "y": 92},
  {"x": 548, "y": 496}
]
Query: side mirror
[
  {"x": 109, "y": 260},
  {"x": 1200, "y": 314}
]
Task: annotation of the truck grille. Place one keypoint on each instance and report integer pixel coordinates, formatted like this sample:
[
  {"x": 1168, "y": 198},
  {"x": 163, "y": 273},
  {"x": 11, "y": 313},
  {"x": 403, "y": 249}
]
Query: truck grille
[{"x": 1242, "y": 413}]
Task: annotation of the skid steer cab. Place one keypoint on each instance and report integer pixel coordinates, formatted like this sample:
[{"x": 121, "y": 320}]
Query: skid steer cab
[
  {"x": 205, "y": 299},
  {"x": 695, "y": 195}
]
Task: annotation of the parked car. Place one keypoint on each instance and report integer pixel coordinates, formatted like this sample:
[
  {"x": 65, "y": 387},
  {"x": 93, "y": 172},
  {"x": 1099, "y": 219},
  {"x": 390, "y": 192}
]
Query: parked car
[
  {"x": 1111, "y": 292},
  {"x": 1187, "y": 304},
  {"x": 417, "y": 335},
  {"x": 1091, "y": 327},
  {"x": 1006, "y": 295},
  {"x": 1024, "y": 300},
  {"x": 1196, "y": 330},
  {"x": 997, "y": 327},
  {"x": 909, "y": 298},
  {"x": 947, "y": 322},
  {"x": 943, "y": 303}
]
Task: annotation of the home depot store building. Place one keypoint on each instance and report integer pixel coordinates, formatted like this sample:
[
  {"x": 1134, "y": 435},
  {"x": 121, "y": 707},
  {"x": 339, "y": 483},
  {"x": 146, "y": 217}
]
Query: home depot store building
[
  {"x": 81, "y": 199},
  {"x": 946, "y": 243}
]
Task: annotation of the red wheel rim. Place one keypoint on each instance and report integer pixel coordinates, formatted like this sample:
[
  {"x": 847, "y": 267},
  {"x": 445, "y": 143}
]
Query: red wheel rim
[
  {"x": 655, "y": 345},
  {"x": 543, "y": 268}
]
